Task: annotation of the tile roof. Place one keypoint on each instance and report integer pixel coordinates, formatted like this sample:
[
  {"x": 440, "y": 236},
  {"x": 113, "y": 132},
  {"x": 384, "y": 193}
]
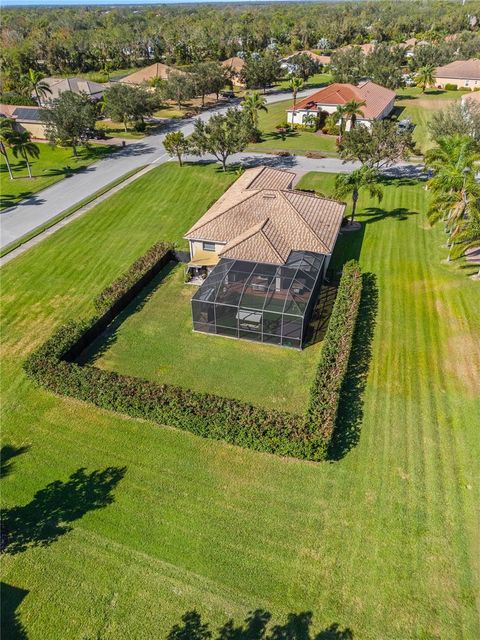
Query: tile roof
[
  {"x": 77, "y": 85},
  {"x": 462, "y": 69},
  {"x": 28, "y": 114},
  {"x": 260, "y": 218},
  {"x": 235, "y": 63},
  {"x": 156, "y": 70},
  {"x": 375, "y": 96},
  {"x": 311, "y": 54}
]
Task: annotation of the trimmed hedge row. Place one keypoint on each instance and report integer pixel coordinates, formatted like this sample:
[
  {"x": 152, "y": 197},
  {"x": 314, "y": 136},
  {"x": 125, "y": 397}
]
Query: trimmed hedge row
[
  {"x": 204, "y": 414},
  {"x": 332, "y": 367}
]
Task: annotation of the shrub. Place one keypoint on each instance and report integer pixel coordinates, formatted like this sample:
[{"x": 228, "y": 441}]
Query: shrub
[
  {"x": 332, "y": 367},
  {"x": 52, "y": 365},
  {"x": 17, "y": 99},
  {"x": 451, "y": 87}
]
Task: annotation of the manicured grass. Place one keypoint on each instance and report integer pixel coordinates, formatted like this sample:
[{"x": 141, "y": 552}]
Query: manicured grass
[
  {"x": 54, "y": 164},
  {"x": 384, "y": 540},
  {"x": 298, "y": 142},
  {"x": 317, "y": 80},
  {"x": 153, "y": 339},
  {"x": 419, "y": 107}
]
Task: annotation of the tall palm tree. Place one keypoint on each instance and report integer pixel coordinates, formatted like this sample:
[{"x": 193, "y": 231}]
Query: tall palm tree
[
  {"x": 252, "y": 104},
  {"x": 341, "y": 115},
  {"x": 295, "y": 85},
  {"x": 23, "y": 146},
  {"x": 7, "y": 133},
  {"x": 33, "y": 80},
  {"x": 353, "y": 109},
  {"x": 425, "y": 76},
  {"x": 456, "y": 193},
  {"x": 352, "y": 183}
]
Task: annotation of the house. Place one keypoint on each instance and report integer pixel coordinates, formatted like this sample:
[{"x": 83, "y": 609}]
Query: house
[
  {"x": 366, "y": 48},
  {"x": 261, "y": 252},
  {"x": 234, "y": 67},
  {"x": 465, "y": 74},
  {"x": 286, "y": 63},
  {"x": 25, "y": 119},
  {"x": 378, "y": 102},
  {"x": 78, "y": 85},
  {"x": 146, "y": 75}
]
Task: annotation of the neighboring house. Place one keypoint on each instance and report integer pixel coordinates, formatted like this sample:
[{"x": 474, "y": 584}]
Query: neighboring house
[
  {"x": 378, "y": 100},
  {"x": 286, "y": 63},
  {"x": 25, "y": 119},
  {"x": 234, "y": 67},
  {"x": 365, "y": 48},
  {"x": 146, "y": 75},
  {"x": 463, "y": 73},
  {"x": 263, "y": 249},
  {"x": 78, "y": 85}
]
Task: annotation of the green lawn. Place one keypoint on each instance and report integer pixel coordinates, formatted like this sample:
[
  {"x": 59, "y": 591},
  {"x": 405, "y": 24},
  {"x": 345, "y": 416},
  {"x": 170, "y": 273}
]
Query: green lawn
[
  {"x": 418, "y": 107},
  {"x": 298, "y": 142},
  {"x": 384, "y": 540},
  {"x": 155, "y": 340},
  {"x": 54, "y": 164},
  {"x": 317, "y": 80}
]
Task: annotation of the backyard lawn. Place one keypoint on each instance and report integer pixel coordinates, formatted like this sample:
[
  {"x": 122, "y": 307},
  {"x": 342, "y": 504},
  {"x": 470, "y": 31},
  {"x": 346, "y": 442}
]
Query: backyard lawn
[
  {"x": 144, "y": 523},
  {"x": 298, "y": 142},
  {"x": 53, "y": 164},
  {"x": 418, "y": 107}
]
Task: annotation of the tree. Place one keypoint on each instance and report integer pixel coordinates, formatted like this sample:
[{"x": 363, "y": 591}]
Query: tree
[
  {"x": 295, "y": 84},
  {"x": 177, "y": 87},
  {"x": 456, "y": 193},
  {"x": 425, "y": 77},
  {"x": 33, "y": 81},
  {"x": 221, "y": 136},
  {"x": 303, "y": 66},
  {"x": 457, "y": 118},
  {"x": 176, "y": 144},
  {"x": 261, "y": 71},
  {"x": 7, "y": 134},
  {"x": 23, "y": 146},
  {"x": 125, "y": 104},
  {"x": 70, "y": 120},
  {"x": 352, "y": 183},
  {"x": 379, "y": 146},
  {"x": 252, "y": 104},
  {"x": 208, "y": 77},
  {"x": 340, "y": 116},
  {"x": 384, "y": 66},
  {"x": 353, "y": 109},
  {"x": 347, "y": 65}
]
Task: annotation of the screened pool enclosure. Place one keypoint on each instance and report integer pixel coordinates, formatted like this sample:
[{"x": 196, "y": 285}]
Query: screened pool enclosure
[{"x": 258, "y": 301}]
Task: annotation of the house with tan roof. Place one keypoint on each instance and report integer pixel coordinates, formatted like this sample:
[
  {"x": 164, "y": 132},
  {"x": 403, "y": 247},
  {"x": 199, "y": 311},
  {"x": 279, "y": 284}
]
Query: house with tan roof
[
  {"x": 25, "y": 118},
  {"x": 463, "y": 73},
  {"x": 378, "y": 100},
  {"x": 287, "y": 62},
  {"x": 94, "y": 90},
  {"x": 146, "y": 75},
  {"x": 234, "y": 66},
  {"x": 261, "y": 253}
]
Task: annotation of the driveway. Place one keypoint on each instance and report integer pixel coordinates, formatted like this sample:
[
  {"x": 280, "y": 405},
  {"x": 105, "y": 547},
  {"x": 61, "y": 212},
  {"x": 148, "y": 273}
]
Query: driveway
[{"x": 45, "y": 205}]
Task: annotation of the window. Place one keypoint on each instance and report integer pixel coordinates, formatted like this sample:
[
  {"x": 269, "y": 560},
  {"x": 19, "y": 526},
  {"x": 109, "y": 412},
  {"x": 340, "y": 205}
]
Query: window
[{"x": 208, "y": 246}]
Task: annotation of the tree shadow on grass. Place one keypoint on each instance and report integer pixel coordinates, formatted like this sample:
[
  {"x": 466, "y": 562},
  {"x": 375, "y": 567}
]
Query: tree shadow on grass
[
  {"x": 375, "y": 214},
  {"x": 7, "y": 453},
  {"x": 256, "y": 627},
  {"x": 350, "y": 409},
  {"x": 10, "y": 599},
  {"x": 52, "y": 510}
]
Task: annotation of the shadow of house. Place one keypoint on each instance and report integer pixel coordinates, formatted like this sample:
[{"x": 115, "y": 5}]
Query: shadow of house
[
  {"x": 346, "y": 433},
  {"x": 256, "y": 627},
  {"x": 52, "y": 510},
  {"x": 7, "y": 453},
  {"x": 11, "y": 598}
]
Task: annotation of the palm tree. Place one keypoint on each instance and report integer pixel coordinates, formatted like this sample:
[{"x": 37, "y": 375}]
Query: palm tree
[
  {"x": 33, "y": 80},
  {"x": 352, "y": 109},
  {"x": 425, "y": 76},
  {"x": 7, "y": 133},
  {"x": 295, "y": 85},
  {"x": 340, "y": 115},
  {"x": 456, "y": 193},
  {"x": 252, "y": 104},
  {"x": 23, "y": 146},
  {"x": 352, "y": 183}
]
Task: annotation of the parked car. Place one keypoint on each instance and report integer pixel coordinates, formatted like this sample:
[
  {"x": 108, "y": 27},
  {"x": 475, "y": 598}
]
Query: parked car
[
  {"x": 405, "y": 125},
  {"x": 228, "y": 94}
]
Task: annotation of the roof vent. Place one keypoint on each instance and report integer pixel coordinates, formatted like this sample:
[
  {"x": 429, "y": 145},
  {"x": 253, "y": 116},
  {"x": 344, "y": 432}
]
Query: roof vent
[{"x": 270, "y": 195}]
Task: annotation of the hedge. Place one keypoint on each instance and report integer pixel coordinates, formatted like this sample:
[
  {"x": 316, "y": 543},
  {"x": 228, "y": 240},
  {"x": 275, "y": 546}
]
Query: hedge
[{"x": 302, "y": 436}]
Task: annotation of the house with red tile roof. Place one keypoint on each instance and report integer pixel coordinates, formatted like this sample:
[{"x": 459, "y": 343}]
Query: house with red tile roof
[{"x": 378, "y": 102}]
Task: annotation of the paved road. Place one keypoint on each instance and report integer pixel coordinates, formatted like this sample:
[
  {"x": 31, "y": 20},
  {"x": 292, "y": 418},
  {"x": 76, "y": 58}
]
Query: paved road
[{"x": 37, "y": 210}]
